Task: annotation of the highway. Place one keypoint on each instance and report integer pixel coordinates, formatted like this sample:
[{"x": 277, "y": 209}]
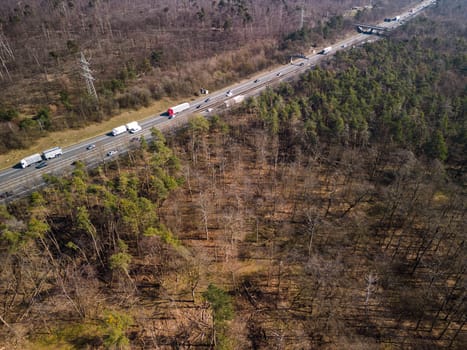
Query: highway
[{"x": 16, "y": 182}]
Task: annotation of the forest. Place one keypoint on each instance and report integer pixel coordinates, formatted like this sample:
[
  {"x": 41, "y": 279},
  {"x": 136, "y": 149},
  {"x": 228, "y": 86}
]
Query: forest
[
  {"x": 145, "y": 51},
  {"x": 326, "y": 213}
]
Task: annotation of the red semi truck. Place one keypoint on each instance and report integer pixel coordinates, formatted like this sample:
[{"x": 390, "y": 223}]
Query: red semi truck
[{"x": 172, "y": 111}]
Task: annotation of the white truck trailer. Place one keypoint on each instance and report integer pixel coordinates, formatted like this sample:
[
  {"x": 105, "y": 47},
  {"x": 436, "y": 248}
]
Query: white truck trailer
[
  {"x": 326, "y": 50},
  {"x": 133, "y": 127},
  {"x": 52, "y": 153},
  {"x": 235, "y": 100},
  {"x": 119, "y": 130},
  {"x": 35, "y": 158},
  {"x": 172, "y": 111}
]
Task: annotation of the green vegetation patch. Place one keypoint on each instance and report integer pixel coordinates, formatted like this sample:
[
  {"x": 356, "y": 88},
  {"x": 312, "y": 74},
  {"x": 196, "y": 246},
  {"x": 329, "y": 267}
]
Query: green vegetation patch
[{"x": 71, "y": 336}]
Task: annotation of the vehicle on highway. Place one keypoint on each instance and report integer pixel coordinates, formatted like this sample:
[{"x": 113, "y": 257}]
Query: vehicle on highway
[
  {"x": 52, "y": 153},
  {"x": 256, "y": 81},
  {"x": 326, "y": 50},
  {"x": 6, "y": 194},
  {"x": 91, "y": 146},
  {"x": 111, "y": 153},
  {"x": 279, "y": 74},
  {"x": 173, "y": 111},
  {"x": 229, "y": 93},
  {"x": 41, "y": 164},
  {"x": 35, "y": 158},
  {"x": 302, "y": 64},
  {"x": 234, "y": 100},
  {"x": 209, "y": 110},
  {"x": 119, "y": 130},
  {"x": 207, "y": 100},
  {"x": 133, "y": 127},
  {"x": 198, "y": 106}
]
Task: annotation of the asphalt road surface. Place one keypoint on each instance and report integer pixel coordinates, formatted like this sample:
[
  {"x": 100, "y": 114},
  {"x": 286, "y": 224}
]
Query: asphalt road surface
[{"x": 16, "y": 182}]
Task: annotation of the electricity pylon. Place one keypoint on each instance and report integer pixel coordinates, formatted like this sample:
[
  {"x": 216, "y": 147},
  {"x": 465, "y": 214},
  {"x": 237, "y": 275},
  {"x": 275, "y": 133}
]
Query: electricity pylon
[{"x": 86, "y": 73}]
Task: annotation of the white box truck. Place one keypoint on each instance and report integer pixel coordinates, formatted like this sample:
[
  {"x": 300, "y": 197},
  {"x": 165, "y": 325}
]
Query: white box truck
[
  {"x": 119, "y": 130},
  {"x": 326, "y": 50},
  {"x": 234, "y": 100},
  {"x": 35, "y": 158},
  {"x": 52, "y": 153},
  {"x": 133, "y": 127}
]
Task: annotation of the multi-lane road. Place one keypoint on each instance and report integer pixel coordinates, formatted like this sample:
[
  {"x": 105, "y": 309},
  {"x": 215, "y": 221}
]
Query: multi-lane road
[{"x": 15, "y": 182}]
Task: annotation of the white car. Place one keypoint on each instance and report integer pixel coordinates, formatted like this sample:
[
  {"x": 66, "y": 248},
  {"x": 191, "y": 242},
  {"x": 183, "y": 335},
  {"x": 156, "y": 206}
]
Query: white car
[
  {"x": 111, "y": 153},
  {"x": 229, "y": 93}
]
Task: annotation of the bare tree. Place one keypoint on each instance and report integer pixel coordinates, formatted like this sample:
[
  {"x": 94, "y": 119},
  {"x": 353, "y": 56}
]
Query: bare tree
[
  {"x": 6, "y": 54},
  {"x": 371, "y": 280},
  {"x": 204, "y": 205}
]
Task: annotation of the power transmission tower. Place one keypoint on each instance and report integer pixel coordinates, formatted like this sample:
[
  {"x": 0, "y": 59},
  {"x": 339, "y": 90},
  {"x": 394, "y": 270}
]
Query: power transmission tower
[{"x": 86, "y": 73}]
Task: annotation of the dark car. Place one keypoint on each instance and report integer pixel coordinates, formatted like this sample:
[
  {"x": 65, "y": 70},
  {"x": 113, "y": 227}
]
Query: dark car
[
  {"x": 6, "y": 194},
  {"x": 207, "y": 100},
  {"x": 198, "y": 106},
  {"x": 256, "y": 81},
  {"x": 41, "y": 164}
]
